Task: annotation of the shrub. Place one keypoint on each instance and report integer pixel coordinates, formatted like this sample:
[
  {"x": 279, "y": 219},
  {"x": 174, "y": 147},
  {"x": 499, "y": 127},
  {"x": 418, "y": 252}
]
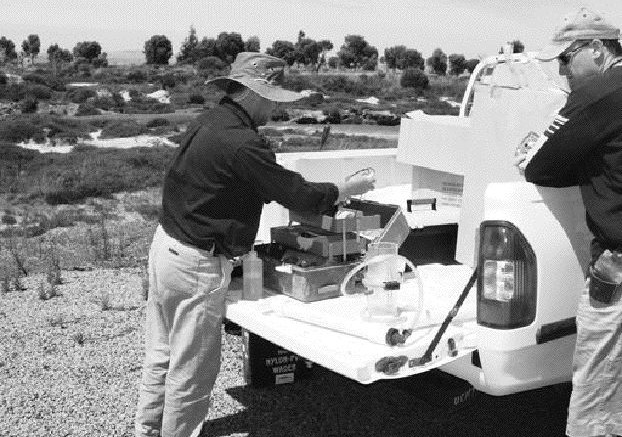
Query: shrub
[
  {"x": 80, "y": 95},
  {"x": 9, "y": 220},
  {"x": 57, "y": 84},
  {"x": 166, "y": 80},
  {"x": 40, "y": 92},
  {"x": 28, "y": 105},
  {"x": 155, "y": 122},
  {"x": 2, "y": 79},
  {"x": 196, "y": 99},
  {"x": 105, "y": 103},
  {"x": 414, "y": 78},
  {"x": 298, "y": 82},
  {"x": 15, "y": 131},
  {"x": 211, "y": 66},
  {"x": 87, "y": 109},
  {"x": 137, "y": 76},
  {"x": 34, "y": 78},
  {"x": 125, "y": 128}
]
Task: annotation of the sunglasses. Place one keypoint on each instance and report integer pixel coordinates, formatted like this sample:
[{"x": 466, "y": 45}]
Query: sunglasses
[{"x": 565, "y": 57}]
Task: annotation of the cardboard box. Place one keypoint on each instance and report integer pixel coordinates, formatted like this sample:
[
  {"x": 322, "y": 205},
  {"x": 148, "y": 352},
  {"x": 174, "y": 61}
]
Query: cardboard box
[{"x": 266, "y": 364}]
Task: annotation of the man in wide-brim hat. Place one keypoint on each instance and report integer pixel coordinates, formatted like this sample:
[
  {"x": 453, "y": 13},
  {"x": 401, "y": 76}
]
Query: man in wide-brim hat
[{"x": 213, "y": 194}]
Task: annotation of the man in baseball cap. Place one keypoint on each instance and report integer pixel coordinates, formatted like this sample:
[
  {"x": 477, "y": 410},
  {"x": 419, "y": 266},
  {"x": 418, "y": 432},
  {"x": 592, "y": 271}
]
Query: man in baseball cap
[
  {"x": 583, "y": 146},
  {"x": 213, "y": 194}
]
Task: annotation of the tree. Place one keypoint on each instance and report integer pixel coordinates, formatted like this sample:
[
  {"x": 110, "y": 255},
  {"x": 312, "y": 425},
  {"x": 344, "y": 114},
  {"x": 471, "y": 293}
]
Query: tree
[
  {"x": 211, "y": 66},
  {"x": 306, "y": 51},
  {"x": 228, "y": 45},
  {"x": 325, "y": 47},
  {"x": 88, "y": 50},
  {"x": 471, "y": 64},
  {"x": 205, "y": 49},
  {"x": 284, "y": 50},
  {"x": 58, "y": 56},
  {"x": 333, "y": 62},
  {"x": 457, "y": 64},
  {"x": 188, "y": 47},
  {"x": 252, "y": 44},
  {"x": 158, "y": 50},
  {"x": 356, "y": 52},
  {"x": 392, "y": 55},
  {"x": 519, "y": 47},
  {"x": 31, "y": 46},
  {"x": 412, "y": 59},
  {"x": 438, "y": 62},
  {"x": 414, "y": 78},
  {"x": 8, "y": 47}
]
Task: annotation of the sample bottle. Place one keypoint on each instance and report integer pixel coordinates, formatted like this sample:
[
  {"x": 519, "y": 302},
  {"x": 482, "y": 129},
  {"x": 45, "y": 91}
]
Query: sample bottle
[{"x": 252, "y": 273}]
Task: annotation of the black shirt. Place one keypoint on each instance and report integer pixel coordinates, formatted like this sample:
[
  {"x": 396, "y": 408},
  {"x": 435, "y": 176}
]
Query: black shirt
[
  {"x": 584, "y": 147},
  {"x": 220, "y": 178}
]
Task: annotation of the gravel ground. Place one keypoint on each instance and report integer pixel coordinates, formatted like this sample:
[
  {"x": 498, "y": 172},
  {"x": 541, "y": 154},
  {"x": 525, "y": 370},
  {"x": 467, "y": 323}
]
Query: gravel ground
[{"x": 68, "y": 368}]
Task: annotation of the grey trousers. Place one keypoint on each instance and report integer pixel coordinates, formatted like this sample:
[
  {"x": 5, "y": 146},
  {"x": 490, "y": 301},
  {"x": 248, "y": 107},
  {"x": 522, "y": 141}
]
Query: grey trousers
[{"x": 186, "y": 305}]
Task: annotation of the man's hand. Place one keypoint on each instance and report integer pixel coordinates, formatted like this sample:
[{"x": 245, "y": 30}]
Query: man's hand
[
  {"x": 522, "y": 150},
  {"x": 359, "y": 183}
]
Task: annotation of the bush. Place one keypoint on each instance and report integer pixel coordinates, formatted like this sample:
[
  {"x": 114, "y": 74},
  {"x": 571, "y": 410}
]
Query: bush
[
  {"x": 137, "y": 76},
  {"x": 155, "y": 122},
  {"x": 196, "y": 99},
  {"x": 3, "y": 79},
  {"x": 298, "y": 82},
  {"x": 167, "y": 80},
  {"x": 87, "y": 109},
  {"x": 18, "y": 130},
  {"x": 39, "y": 92},
  {"x": 122, "y": 129},
  {"x": 34, "y": 78},
  {"x": 79, "y": 95},
  {"x": 414, "y": 78},
  {"x": 211, "y": 66},
  {"x": 57, "y": 84},
  {"x": 9, "y": 220},
  {"x": 29, "y": 105}
]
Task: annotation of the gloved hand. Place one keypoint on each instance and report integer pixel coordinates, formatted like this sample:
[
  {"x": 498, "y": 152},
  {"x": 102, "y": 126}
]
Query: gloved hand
[{"x": 359, "y": 183}]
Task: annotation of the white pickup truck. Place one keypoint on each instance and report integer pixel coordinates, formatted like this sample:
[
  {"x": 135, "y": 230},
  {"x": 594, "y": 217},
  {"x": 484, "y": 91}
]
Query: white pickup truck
[{"x": 528, "y": 244}]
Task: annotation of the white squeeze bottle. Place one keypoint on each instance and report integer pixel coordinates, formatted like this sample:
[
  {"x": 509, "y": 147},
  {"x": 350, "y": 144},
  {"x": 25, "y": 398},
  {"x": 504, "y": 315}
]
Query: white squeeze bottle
[{"x": 252, "y": 274}]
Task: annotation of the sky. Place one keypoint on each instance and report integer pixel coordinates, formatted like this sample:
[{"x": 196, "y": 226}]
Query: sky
[{"x": 474, "y": 28}]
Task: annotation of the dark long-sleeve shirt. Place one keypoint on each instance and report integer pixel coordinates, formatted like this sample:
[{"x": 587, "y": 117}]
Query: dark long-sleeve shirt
[
  {"x": 584, "y": 147},
  {"x": 222, "y": 175}
]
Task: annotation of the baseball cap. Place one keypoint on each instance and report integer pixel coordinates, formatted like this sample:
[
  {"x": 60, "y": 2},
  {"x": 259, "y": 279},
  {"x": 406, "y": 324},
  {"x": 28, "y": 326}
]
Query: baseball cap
[
  {"x": 261, "y": 73},
  {"x": 582, "y": 25}
]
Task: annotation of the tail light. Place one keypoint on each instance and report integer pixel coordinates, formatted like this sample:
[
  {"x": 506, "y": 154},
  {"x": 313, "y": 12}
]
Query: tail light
[{"x": 507, "y": 282}]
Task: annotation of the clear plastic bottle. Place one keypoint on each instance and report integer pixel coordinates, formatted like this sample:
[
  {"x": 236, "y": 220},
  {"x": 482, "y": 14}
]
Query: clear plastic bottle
[{"x": 252, "y": 273}]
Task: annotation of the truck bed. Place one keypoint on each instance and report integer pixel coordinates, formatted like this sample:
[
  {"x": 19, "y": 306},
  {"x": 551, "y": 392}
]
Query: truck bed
[{"x": 298, "y": 326}]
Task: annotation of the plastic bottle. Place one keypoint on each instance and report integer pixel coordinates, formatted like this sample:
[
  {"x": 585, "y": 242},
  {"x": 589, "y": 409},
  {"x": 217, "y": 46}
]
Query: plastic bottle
[{"x": 252, "y": 273}]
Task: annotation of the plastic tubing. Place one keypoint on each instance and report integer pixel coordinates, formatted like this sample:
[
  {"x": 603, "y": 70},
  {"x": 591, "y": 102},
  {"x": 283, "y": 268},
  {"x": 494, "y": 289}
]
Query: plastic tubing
[{"x": 381, "y": 258}]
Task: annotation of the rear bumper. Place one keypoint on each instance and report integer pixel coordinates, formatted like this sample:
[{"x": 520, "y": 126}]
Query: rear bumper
[{"x": 507, "y": 372}]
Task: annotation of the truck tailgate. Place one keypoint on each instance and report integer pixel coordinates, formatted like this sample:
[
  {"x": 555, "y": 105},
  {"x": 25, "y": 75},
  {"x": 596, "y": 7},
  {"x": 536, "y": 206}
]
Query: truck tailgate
[{"x": 316, "y": 330}]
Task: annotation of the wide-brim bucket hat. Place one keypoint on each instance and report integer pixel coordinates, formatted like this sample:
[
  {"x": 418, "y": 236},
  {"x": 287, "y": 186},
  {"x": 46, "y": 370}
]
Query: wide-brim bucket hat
[
  {"x": 261, "y": 73},
  {"x": 582, "y": 25}
]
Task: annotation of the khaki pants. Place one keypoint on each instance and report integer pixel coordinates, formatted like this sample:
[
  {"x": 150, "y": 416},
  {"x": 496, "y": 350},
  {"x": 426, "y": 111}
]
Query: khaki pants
[
  {"x": 596, "y": 402},
  {"x": 186, "y": 305}
]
